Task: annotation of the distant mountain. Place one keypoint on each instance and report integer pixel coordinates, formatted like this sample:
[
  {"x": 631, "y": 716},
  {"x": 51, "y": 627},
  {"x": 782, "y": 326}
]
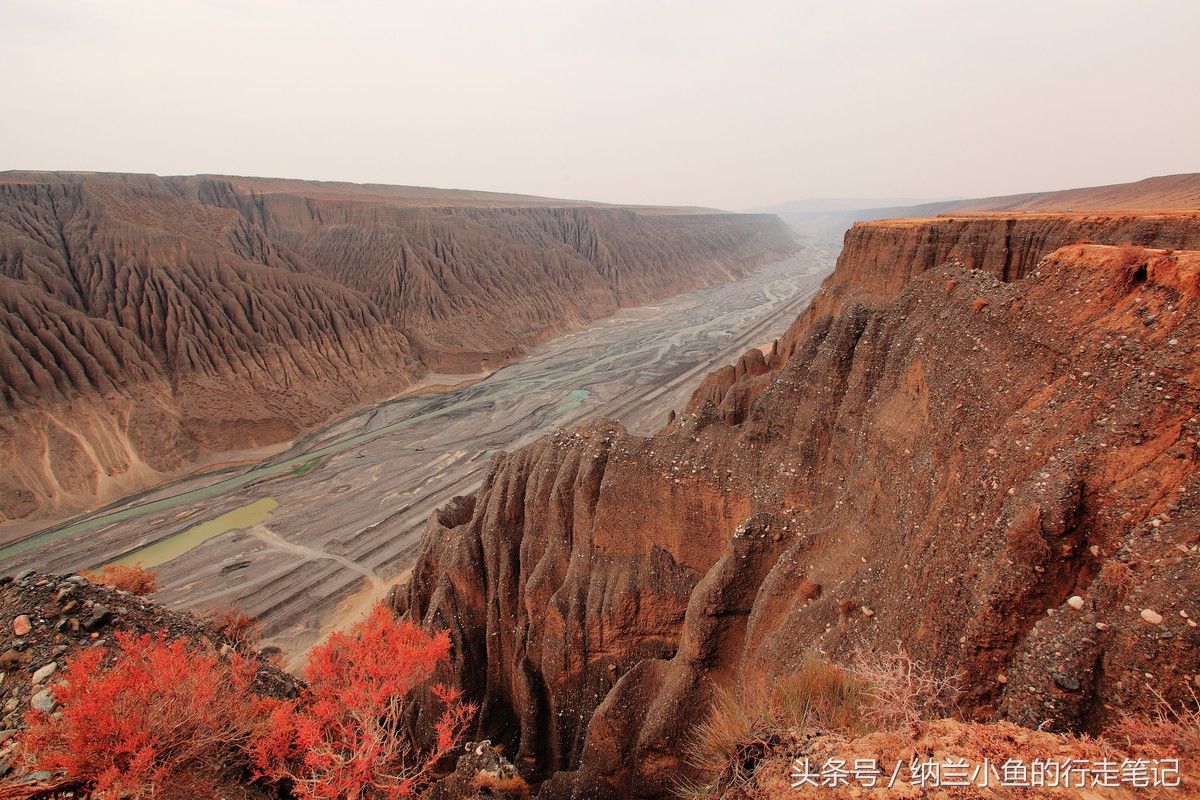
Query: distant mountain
[
  {"x": 818, "y": 205},
  {"x": 150, "y": 323},
  {"x": 1163, "y": 193}
]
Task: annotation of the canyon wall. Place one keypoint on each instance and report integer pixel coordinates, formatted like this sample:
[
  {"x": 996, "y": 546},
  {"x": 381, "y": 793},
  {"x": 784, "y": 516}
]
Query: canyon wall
[
  {"x": 941, "y": 460},
  {"x": 151, "y": 324},
  {"x": 878, "y": 260}
]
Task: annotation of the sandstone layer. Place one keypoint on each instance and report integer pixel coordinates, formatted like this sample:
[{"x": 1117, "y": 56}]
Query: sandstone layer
[
  {"x": 943, "y": 458},
  {"x": 148, "y": 323}
]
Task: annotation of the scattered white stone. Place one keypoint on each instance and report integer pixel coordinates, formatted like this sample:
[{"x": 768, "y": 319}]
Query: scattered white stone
[
  {"x": 1151, "y": 616},
  {"x": 44, "y": 701},
  {"x": 44, "y": 672},
  {"x": 1075, "y": 602}
]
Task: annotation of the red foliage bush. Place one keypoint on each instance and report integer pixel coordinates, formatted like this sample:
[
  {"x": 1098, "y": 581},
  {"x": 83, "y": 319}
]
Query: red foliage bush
[
  {"x": 159, "y": 720},
  {"x": 129, "y": 577},
  {"x": 1129, "y": 254},
  {"x": 164, "y": 719},
  {"x": 348, "y": 736}
]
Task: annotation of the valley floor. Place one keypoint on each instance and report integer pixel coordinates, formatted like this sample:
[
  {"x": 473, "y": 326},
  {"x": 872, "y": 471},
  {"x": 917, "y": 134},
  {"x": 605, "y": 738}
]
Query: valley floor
[{"x": 352, "y": 498}]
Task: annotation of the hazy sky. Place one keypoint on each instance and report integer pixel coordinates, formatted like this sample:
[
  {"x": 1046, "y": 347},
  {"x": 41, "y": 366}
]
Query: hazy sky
[{"x": 730, "y": 104}]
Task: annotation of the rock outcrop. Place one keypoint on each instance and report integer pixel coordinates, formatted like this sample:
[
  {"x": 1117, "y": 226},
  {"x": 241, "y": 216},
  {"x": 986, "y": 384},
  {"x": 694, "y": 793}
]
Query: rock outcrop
[
  {"x": 991, "y": 458},
  {"x": 148, "y": 324}
]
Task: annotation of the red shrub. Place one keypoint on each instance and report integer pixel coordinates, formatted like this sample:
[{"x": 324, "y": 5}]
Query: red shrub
[
  {"x": 1129, "y": 254},
  {"x": 347, "y": 736},
  {"x": 129, "y": 577},
  {"x": 159, "y": 720},
  {"x": 164, "y": 719}
]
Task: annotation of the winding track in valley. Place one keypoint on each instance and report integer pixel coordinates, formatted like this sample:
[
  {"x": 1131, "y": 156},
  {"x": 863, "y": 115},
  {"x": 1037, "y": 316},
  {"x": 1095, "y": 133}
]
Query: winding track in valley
[{"x": 354, "y": 496}]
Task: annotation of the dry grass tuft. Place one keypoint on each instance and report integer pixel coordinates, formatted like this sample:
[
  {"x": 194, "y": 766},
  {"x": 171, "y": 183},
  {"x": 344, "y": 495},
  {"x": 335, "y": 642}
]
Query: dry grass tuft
[
  {"x": 1118, "y": 577},
  {"x": 902, "y": 692},
  {"x": 128, "y": 577},
  {"x": 1129, "y": 254},
  {"x": 820, "y": 695},
  {"x": 880, "y": 692},
  {"x": 1170, "y": 732},
  {"x": 744, "y": 729},
  {"x": 498, "y": 786},
  {"x": 243, "y": 630}
]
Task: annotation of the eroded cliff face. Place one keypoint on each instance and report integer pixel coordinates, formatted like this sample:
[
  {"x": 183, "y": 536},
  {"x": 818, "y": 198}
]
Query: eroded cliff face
[
  {"x": 476, "y": 282},
  {"x": 148, "y": 324},
  {"x": 942, "y": 468},
  {"x": 879, "y": 259}
]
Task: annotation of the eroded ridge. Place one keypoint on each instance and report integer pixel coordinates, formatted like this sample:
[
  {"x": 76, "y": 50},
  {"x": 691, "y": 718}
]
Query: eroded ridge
[{"x": 946, "y": 466}]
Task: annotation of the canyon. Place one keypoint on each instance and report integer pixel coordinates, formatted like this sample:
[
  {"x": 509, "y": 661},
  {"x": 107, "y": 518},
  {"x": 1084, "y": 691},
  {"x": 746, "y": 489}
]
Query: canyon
[
  {"x": 600, "y": 401},
  {"x": 974, "y": 437},
  {"x": 979, "y": 441},
  {"x": 305, "y": 538},
  {"x": 154, "y": 325}
]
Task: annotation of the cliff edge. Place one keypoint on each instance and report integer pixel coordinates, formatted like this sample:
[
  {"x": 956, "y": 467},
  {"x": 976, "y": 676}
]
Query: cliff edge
[{"x": 981, "y": 443}]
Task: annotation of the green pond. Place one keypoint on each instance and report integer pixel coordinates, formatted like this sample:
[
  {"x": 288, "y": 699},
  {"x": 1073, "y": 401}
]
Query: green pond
[{"x": 162, "y": 551}]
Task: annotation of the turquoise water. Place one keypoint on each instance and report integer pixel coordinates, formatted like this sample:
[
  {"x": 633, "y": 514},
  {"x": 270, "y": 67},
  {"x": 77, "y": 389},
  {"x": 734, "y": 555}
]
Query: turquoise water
[{"x": 574, "y": 399}]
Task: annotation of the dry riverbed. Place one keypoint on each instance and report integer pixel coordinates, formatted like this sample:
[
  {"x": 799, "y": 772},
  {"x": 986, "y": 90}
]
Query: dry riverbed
[{"x": 306, "y": 538}]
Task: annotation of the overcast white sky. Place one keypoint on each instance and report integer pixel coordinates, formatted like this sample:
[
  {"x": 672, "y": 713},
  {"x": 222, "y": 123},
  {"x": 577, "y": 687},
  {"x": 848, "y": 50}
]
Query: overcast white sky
[{"x": 730, "y": 104}]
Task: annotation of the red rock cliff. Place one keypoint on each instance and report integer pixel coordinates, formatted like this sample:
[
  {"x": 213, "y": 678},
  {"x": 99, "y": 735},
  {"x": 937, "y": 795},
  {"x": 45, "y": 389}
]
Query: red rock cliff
[
  {"x": 944, "y": 467},
  {"x": 879, "y": 259}
]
